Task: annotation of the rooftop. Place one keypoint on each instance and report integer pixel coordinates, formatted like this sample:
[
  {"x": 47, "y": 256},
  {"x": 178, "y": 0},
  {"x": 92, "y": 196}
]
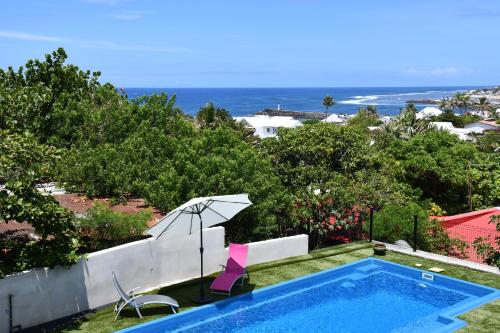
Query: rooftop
[
  {"x": 269, "y": 121},
  {"x": 79, "y": 204},
  {"x": 428, "y": 112}
]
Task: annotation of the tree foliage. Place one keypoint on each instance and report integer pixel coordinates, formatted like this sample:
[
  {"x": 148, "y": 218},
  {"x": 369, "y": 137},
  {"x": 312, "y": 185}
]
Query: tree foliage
[
  {"x": 47, "y": 98},
  {"x": 441, "y": 166},
  {"x": 365, "y": 118},
  {"x": 58, "y": 122},
  {"x": 23, "y": 163},
  {"x": 490, "y": 250},
  {"x": 102, "y": 228},
  {"x": 406, "y": 124},
  {"x": 312, "y": 155},
  {"x": 210, "y": 116}
]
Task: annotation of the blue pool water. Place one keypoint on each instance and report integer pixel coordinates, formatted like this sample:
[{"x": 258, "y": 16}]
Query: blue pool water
[{"x": 370, "y": 295}]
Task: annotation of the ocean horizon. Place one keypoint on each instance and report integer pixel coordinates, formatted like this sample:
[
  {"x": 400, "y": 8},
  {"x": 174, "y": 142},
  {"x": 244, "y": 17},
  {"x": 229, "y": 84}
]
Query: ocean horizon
[{"x": 248, "y": 101}]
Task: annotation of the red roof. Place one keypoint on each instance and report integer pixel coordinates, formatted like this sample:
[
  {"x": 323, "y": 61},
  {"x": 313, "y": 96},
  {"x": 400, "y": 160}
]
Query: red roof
[
  {"x": 79, "y": 203},
  {"x": 490, "y": 122},
  {"x": 479, "y": 219},
  {"x": 14, "y": 228}
]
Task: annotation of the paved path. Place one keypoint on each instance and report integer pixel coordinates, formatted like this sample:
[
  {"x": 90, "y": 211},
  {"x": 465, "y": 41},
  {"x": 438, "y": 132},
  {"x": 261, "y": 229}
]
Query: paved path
[{"x": 444, "y": 259}]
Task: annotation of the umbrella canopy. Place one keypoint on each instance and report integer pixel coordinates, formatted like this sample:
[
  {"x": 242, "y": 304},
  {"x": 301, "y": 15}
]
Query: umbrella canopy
[
  {"x": 197, "y": 214},
  {"x": 184, "y": 220}
]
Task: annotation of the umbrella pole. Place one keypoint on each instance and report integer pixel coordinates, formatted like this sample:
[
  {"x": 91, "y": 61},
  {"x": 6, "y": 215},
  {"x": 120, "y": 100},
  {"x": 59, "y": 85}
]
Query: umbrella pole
[{"x": 202, "y": 298}]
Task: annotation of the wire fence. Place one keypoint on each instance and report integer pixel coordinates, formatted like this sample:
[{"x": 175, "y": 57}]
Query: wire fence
[{"x": 467, "y": 235}]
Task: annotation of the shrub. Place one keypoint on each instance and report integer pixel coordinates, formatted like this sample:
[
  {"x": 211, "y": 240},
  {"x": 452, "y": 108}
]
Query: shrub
[
  {"x": 395, "y": 222},
  {"x": 102, "y": 228},
  {"x": 23, "y": 163},
  {"x": 440, "y": 242},
  {"x": 489, "y": 252}
]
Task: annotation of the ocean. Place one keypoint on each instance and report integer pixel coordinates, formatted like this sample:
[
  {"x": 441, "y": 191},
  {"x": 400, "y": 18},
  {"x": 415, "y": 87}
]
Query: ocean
[{"x": 248, "y": 101}]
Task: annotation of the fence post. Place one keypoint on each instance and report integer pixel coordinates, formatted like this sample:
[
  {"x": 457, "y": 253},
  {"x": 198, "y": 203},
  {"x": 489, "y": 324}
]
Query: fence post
[
  {"x": 371, "y": 224},
  {"x": 308, "y": 235},
  {"x": 415, "y": 223}
]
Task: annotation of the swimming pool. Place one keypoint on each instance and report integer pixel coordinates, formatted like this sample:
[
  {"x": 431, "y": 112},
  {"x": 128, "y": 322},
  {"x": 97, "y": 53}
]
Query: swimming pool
[{"x": 370, "y": 295}]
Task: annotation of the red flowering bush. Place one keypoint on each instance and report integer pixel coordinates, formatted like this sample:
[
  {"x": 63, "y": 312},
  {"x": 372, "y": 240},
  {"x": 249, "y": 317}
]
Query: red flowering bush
[{"x": 328, "y": 221}]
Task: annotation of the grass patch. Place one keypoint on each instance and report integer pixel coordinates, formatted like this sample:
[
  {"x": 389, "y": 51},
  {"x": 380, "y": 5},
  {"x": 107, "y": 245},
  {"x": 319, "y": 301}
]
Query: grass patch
[{"x": 482, "y": 319}]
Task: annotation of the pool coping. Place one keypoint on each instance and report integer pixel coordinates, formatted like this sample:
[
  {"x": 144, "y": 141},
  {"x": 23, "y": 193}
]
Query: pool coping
[
  {"x": 448, "y": 315},
  {"x": 442, "y": 258}
]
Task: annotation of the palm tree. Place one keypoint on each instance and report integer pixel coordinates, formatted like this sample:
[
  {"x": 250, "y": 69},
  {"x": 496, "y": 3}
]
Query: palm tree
[
  {"x": 210, "y": 116},
  {"x": 461, "y": 100},
  {"x": 446, "y": 104},
  {"x": 483, "y": 105},
  {"x": 406, "y": 125},
  {"x": 328, "y": 102}
]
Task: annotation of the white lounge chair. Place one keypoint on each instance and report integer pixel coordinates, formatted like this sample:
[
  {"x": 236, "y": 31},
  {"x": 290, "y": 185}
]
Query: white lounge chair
[{"x": 129, "y": 298}]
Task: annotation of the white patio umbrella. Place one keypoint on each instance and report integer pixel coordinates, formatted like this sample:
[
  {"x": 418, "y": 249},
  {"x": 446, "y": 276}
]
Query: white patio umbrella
[{"x": 197, "y": 214}]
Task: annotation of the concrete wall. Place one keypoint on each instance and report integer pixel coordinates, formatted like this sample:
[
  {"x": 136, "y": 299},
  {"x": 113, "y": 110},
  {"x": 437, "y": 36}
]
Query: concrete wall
[
  {"x": 276, "y": 249},
  {"x": 44, "y": 295}
]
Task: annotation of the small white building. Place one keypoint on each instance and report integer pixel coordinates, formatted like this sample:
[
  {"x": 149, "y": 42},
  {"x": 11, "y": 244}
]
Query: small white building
[
  {"x": 428, "y": 112},
  {"x": 335, "y": 118},
  {"x": 267, "y": 126},
  {"x": 462, "y": 133},
  {"x": 482, "y": 125}
]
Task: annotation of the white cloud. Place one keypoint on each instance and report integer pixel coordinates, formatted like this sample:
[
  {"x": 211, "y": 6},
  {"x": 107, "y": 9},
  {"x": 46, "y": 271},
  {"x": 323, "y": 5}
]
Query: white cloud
[
  {"x": 440, "y": 71},
  {"x": 106, "y": 2},
  {"x": 91, "y": 44},
  {"x": 131, "y": 16},
  {"x": 33, "y": 37}
]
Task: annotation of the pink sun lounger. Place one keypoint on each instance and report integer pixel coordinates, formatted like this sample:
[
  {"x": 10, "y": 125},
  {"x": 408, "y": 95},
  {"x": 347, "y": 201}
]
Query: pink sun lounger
[{"x": 234, "y": 269}]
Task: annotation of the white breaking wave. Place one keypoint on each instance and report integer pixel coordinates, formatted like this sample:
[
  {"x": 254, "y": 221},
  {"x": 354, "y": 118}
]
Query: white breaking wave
[{"x": 360, "y": 100}]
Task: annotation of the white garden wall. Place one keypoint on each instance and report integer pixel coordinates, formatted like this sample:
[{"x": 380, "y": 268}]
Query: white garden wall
[
  {"x": 276, "y": 249},
  {"x": 43, "y": 295}
]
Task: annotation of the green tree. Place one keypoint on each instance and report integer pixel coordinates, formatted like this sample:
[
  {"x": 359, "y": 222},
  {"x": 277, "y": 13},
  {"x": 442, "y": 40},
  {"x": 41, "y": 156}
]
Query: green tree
[
  {"x": 45, "y": 97},
  {"x": 406, "y": 124},
  {"x": 102, "y": 227},
  {"x": 447, "y": 104},
  {"x": 483, "y": 105},
  {"x": 365, "y": 118},
  {"x": 24, "y": 163},
  {"x": 490, "y": 253},
  {"x": 435, "y": 163},
  {"x": 328, "y": 102},
  {"x": 489, "y": 141},
  {"x": 310, "y": 155},
  {"x": 211, "y": 116},
  {"x": 219, "y": 162},
  {"x": 462, "y": 101}
]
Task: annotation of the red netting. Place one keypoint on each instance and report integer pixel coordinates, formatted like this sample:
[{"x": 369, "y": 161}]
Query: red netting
[{"x": 469, "y": 234}]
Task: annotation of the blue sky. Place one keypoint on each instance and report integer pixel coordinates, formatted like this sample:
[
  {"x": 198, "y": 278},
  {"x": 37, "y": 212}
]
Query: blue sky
[{"x": 272, "y": 43}]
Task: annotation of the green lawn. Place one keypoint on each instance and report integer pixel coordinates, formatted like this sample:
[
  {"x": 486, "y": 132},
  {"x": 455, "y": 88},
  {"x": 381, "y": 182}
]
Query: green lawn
[{"x": 482, "y": 319}]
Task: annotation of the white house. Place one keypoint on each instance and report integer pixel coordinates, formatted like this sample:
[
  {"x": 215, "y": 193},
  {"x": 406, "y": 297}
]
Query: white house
[
  {"x": 386, "y": 119},
  {"x": 462, "y": 133},
  {"x": 482, "y": 125},
  {"x": 428, "y": 112},
  {"x": 267, "y": 126},
  {"x": 335, "y": 118}
]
